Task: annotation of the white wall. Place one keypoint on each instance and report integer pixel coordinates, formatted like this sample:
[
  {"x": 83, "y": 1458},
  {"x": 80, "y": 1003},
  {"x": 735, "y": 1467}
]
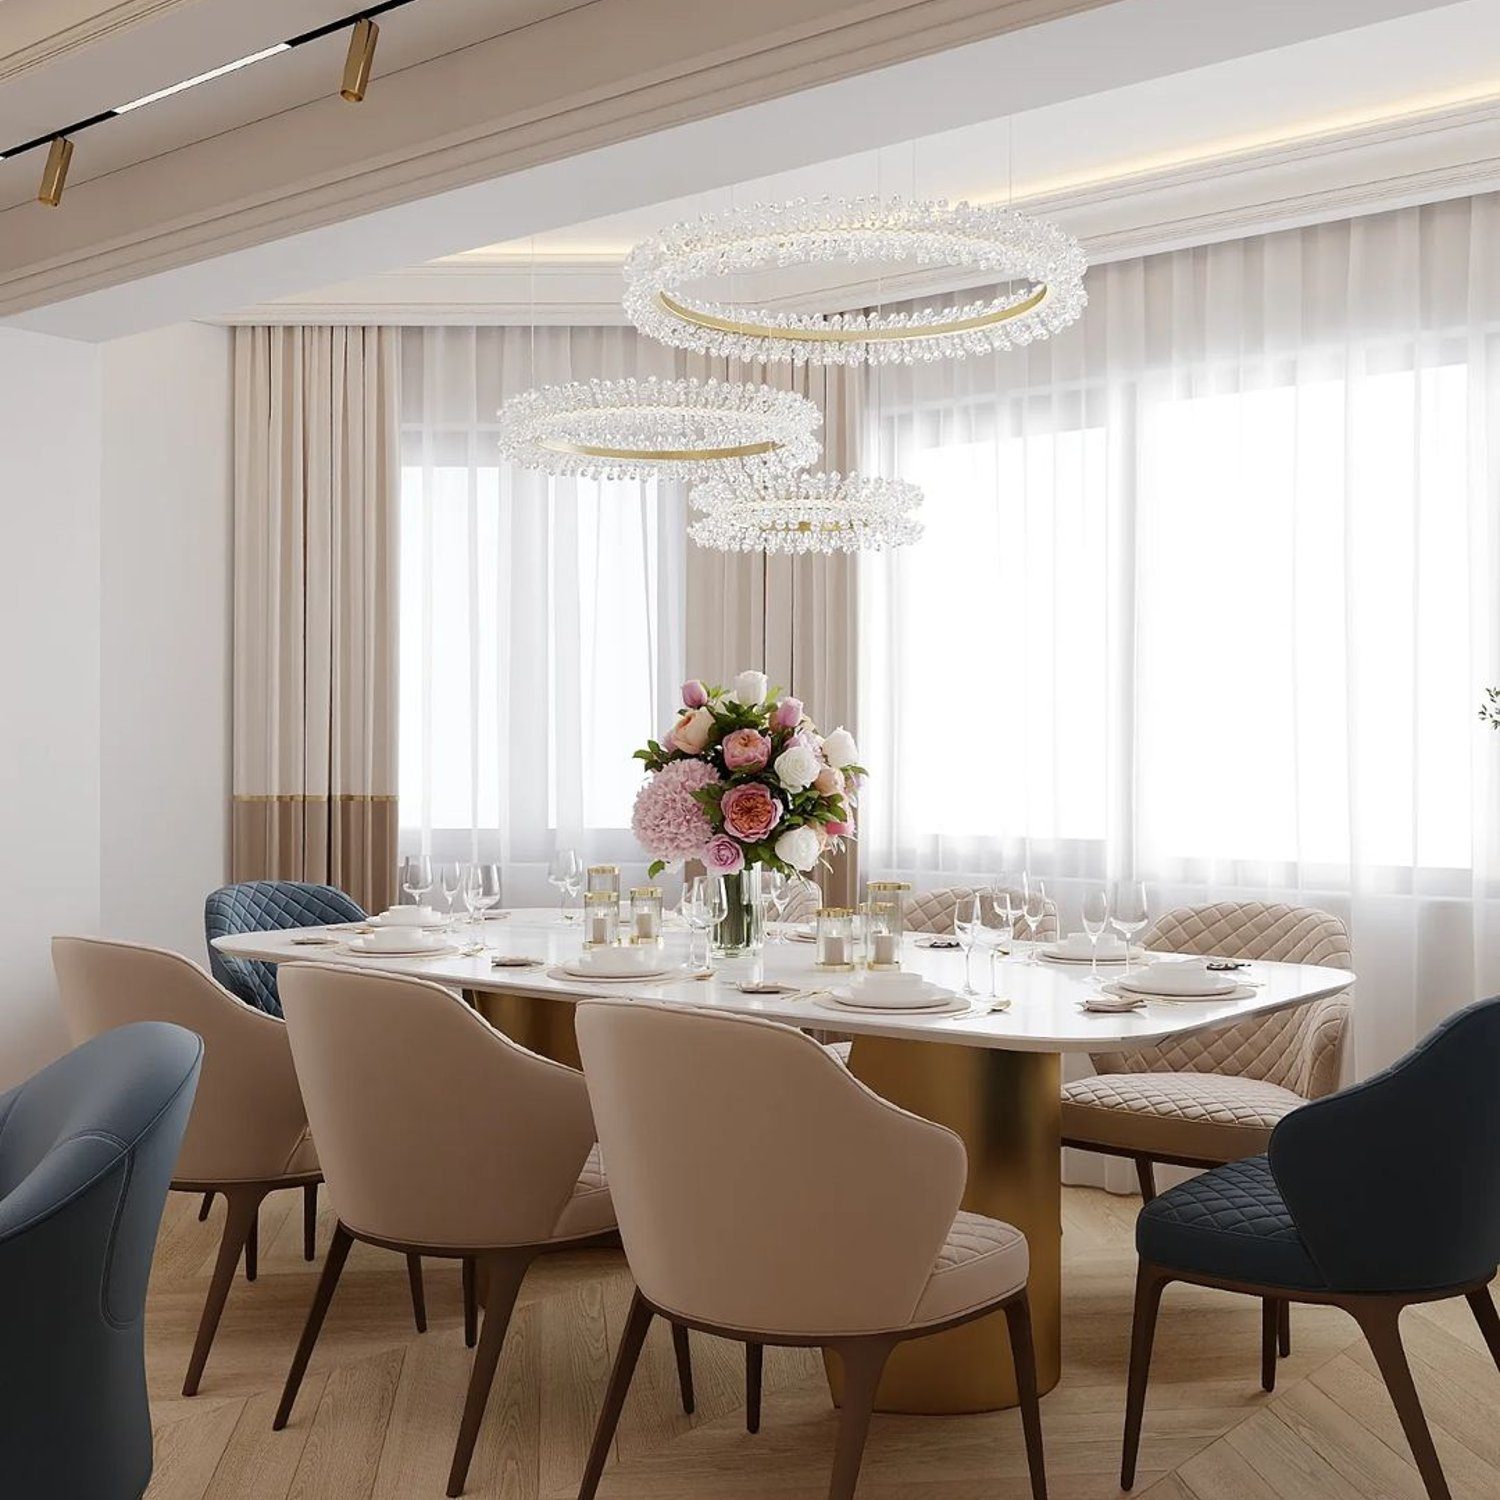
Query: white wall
[
  {"x": 165, "y": 623},
  {"x": 49, "y": 704}
]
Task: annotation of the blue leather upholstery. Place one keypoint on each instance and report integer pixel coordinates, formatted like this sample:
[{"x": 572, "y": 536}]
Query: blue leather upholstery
[
  {"x": 1390, "y": 1186},
  {"x": 267, "y": 906},
  {"x": 1230, "y": 1222},
  {"x": 87, "y": 1149}
]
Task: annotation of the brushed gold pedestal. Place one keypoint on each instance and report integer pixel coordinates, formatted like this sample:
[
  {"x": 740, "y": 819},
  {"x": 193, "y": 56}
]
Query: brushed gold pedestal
[
  {"x": 542, "y": 1023},
  {"x": 1007, "y": 1108}
]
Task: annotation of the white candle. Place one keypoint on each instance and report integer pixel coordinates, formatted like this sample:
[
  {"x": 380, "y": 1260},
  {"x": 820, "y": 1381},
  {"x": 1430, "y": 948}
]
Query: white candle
[
  {"x": 885, "y": 948},
  {"x": 835, "y": 951},
  {"x": 599, "y": 929},
  {"x": 645, "y": 924}
]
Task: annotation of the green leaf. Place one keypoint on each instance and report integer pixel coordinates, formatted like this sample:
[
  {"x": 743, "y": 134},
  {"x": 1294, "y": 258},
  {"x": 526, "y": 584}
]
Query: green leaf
[{"x": 655, "y": 868}]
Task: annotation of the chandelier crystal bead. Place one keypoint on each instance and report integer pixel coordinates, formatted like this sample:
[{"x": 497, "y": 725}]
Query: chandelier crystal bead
[
  {"x": 1041, "y": 264},
  {"x": 663, "y": 429},
  {"x": 802, "y": 513}
]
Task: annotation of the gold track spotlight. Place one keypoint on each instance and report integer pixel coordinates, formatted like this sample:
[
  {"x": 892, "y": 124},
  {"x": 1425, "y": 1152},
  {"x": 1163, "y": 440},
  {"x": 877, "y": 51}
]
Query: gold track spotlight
[
  {"x": 55, "y": 173},
  {"x": 360, "y": 59}
]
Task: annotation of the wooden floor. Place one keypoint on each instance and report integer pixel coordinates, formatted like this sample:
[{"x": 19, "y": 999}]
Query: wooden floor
[{"x": 379, "y": 1409}]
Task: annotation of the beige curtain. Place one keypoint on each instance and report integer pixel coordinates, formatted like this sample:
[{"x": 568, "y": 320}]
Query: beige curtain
[
  {"x": 792, "y": 617},
  {"x": 316, "y": 491}
]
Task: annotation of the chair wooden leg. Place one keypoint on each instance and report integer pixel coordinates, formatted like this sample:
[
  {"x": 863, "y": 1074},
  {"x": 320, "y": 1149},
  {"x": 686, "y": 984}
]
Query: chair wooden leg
[
  {"x": 310, "y": 1221},
  {"x": 1023, "y": 1352},
  {"x": 338, "y": 1253},
  {"x": 418, "y": 1292},
  {"x": 1145, "y": 1175},
  {"x": 205, "y": 1206},
  {"x": 1150, "y": 1282},
  {"x": 1270, "y": 1325},
  {"x": 755, "y": 1355},
  {"x": 252, "y": 1249},
  {"x": 684, "y": 1352},
  {"x": 1379, "y": 1320},
  {"x": 636, "y": 1327},
  {"x": 504, "y": 1273},
  {"x": 1489, "y": 1322},
  {"x": 1284, "y": 1329},
  {"x": 471, "y": 1305},
  {"x": 864, "y": 1362},
  {"x": 241, "y": 1204}
]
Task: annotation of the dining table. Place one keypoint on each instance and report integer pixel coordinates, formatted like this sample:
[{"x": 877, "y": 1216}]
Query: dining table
[{"x": 991, "y": 1071}]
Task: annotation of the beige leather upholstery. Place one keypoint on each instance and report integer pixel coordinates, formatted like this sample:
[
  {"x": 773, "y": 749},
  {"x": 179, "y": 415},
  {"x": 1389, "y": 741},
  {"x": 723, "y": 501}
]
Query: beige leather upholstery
[
  {"x": 248, "y": 1123},
  {"x": 435, "y": 1129},
  {"x": 1215, "y": 1095},
  {"x": 761, "y": 1187},
  {"x": 932, "y": 911}
]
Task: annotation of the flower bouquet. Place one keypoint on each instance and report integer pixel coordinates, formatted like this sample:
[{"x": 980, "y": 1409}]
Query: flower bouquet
[{"x": 744, "y": 782}]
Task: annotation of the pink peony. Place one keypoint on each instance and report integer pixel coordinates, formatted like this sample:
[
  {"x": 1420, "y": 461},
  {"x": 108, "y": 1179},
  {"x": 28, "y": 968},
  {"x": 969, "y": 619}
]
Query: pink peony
[
  {"x": 839, "y": 828},
  {"x": 788, "y": 714},
  {"x": 746, "y": 750},
  {"x": 722, "y": 855},
  {"x": 667, "y": 819},
  {"x": 750, "y": 811},
  {"x": 830, "y": 782},
  {"x": 694, "y": 694}
]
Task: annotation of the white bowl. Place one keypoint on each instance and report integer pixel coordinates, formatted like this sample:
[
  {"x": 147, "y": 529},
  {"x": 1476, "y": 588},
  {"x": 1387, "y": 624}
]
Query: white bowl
[
  {"x": 620, "y": 960},
  {"x": 894, "y": 988},
  {"x": 408, "y": 916},
  {"x": 1181, "y": 977},
  {"x": 1077, "y": 945},
  {"x": 395, "y": 940}
]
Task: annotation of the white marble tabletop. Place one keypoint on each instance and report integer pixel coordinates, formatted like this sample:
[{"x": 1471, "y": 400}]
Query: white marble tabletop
[{"x": 1044, "y": 1015}]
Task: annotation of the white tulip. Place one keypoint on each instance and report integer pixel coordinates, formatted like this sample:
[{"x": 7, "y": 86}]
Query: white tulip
[
  {"x": 797, "y": 768},
  {"x": 799, "y": 847},
  {"x": 750, "y": 689},
  {"x": 840, "y": 749}
]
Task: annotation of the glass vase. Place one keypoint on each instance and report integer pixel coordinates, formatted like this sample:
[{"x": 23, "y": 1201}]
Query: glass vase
[{"x": 740, "y": 931}]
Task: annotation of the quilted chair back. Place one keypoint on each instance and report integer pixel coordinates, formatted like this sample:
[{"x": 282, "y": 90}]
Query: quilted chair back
[
  {"x": 1301, "y": 1049},
  {"x": 267, "y": 906},
  {"x": 1394, "y": 1184},
  {"x": 932, "y": 911}
]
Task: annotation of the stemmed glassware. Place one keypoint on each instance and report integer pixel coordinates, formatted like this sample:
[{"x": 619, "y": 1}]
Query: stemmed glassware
[
  {"x": 967, "y": 920},
  {"x": 1129, "y": 912},
  {"x": 999, "y": 925},
  {"x": 1095, "y": 920},
  {"x": 566, "y": 874},
  {"x": 704, "y": 905},
  {"x": 481, "y": 891},
  {"x": 1033, "y": 909},
  {"x": 416, "y": 877},
  {"x": 776, "y": 891},
  {"x": 453, "y": 883}
]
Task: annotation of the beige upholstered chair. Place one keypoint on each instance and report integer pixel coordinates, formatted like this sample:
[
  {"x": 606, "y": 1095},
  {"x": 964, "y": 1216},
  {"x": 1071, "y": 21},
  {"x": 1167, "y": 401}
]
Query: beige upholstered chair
[
  {"x": 440, "y": 1136},
  {"x": 839, "y": 1225},
  {"x": 248, "y": 1133},
  {"x": 932, "y": 911},
  {"x": 1215, "y": 1096}
]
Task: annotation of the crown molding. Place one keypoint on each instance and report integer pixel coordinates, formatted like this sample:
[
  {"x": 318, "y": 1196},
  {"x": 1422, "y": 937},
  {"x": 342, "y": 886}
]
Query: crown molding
[
  {"x": 1449, "y": 152},
  {"x": 104, "y": 22}
]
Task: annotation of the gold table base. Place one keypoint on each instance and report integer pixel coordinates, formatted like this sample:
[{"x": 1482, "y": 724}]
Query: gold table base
[{"x": 1007, "y": 1108}]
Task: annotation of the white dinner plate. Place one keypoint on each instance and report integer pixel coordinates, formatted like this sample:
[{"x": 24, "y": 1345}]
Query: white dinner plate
[
  {"x": 1136, "y": 954},
  {"x": 422, "y": 950},
  {"x": 929, "y": 997},
  {"x": 1234, "y": 992},
  {"x": 437, "y": 920},
  {"x": 953, "y": 1006},
  {"x": 642, "y": 976},
  {"x": 1214, "y": 988}
]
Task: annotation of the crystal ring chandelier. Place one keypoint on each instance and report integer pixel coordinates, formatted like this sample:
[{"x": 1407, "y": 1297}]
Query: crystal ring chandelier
[
  {"x": 801, "y": 513},
  {"x": 666, "y": 429},
  {"x": 995, "y": 242}
]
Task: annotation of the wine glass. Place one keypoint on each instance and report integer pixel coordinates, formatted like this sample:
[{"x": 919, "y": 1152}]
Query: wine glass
[
  {"x": 704, "y": 905},
  {"x": 1095, "y": 920},
  {"x": 966, "y": 922},
  {"x": 999, "y": 925},
  {"x": 566, "y": 874},
  {"x": 416, "y": 877},
  {"x": 1129, "y": 911},
  {"x": 1033, "y": 909},
  {"x": 775, "y": 890},
  {"x": 481, "y": 891},
  {"x": 453, "y": 884}
]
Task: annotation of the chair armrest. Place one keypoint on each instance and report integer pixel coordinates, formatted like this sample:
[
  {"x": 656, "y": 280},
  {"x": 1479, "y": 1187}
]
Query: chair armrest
[{"x": 1323, "y": 1039}]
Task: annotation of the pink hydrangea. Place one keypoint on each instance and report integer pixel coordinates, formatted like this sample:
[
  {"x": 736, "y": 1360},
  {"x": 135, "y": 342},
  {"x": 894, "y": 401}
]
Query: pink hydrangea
[{"x": 667, "y": 819}]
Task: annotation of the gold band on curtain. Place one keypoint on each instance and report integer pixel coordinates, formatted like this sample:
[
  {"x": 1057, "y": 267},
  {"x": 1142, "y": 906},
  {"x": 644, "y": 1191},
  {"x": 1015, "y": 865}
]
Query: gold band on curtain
[{"x": 346, "y": 840}]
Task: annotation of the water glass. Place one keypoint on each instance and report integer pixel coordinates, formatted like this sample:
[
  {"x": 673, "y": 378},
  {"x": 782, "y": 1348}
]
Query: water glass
[
  {"x": 416, "y": 877},
  {"x": 1095, "y": 920},
  {"x": 966, "y": 924},
  {"x": 565, "y": 873},
  {"x": 1129, "y": 911}
]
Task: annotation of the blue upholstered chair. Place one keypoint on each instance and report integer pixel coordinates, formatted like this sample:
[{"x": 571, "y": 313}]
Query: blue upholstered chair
[
  {"x": 1371, "y": 1199},
  {"x": 267, "y": 906},
  {"x": 86, "y": 1151}
]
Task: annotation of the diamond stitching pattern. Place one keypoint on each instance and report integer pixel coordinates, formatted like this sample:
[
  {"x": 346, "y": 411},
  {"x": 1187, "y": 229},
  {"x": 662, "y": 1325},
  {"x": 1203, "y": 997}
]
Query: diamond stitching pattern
[
  {"x": 971, "y": 1236},
  {"x": 1205, "y": 1099},
  {"x": 267, "y": 906}
]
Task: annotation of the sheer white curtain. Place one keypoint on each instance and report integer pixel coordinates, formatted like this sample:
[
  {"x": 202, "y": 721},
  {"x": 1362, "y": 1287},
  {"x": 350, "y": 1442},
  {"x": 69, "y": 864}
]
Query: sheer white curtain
[
  {"x": 541, "y": 619},
  {"x": 1209, "y": 595}
]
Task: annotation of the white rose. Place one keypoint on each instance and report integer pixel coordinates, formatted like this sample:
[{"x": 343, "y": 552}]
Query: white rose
[
  {"x": 799, "y": 848},
  {"x": 840, "y": 749},
  {"x": 750, "y": 689},
  {"x": 797, "y": 768}
]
